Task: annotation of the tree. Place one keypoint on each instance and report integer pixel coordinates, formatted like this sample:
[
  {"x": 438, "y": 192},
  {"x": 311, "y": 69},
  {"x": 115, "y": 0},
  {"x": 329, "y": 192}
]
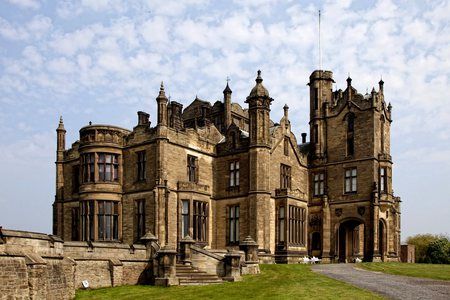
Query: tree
[{"x": 421, "y": 242}]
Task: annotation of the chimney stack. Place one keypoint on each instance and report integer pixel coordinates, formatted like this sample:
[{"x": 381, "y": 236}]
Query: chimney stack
[{"x": 303, "y": 137}]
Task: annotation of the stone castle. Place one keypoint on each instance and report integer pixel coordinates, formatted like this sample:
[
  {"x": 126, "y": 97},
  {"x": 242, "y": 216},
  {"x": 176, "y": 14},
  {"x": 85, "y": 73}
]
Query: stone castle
[{"x": 218, "y": 173}]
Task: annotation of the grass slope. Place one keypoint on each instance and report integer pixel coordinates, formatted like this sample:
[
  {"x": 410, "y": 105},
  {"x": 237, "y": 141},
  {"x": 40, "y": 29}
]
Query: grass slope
[
  {"x": 274, "y": 282},
  {"x": 432, "y": 271}
]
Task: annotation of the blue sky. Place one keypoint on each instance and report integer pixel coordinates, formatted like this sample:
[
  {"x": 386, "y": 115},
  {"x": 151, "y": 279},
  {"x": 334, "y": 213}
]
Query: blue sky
[{"x": 103, "y": 60}]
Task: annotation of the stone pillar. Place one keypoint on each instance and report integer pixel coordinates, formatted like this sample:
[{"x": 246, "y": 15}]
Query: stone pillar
[
  {"x": 376, "y": 257},
  {"x": 232, "y": 266},
  {"x": 37, "y": 275},
  {"x": 166, "y": 258},
  {"x": 185, "y": 250},
  {"x": 326, "y": 231},
  {"x": 151, "y": 245},
  {"x": 116, "y": 269},
  {"x": 250, "y": 248}
]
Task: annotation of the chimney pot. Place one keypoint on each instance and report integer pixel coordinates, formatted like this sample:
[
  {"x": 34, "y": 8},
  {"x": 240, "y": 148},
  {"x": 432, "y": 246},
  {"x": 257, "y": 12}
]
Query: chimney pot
[{"x": 303, "y": 137}]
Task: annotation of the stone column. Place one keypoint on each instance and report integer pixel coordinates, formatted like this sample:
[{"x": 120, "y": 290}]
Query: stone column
[
  {"x": 166, "y": 258},
  {"x": 185, "y": 250},
  {"x": 375, "y": 219},
  {"x": 232, "y": 266}
]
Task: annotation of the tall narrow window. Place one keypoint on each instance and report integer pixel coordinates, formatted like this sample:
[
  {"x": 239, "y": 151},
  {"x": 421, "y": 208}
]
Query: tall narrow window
[
  {"x": 75, "y": 224},
  {"x": 141, "y": 163},
  {"x": 108, "y": 215},
  {"x": 383, "y": 180},
  {"x": 350, "y": 135},
  {"x": 281, "y": 228},
  {"x": 192, "y": 168},
  {"x": 319, "y": 184},
  {"x": 316, "y": 98},
  {"x": 286, "y": 146},
  {"x": 88, "y": 167},
  {"x": 75, "y": 179},
  {"x": 185, "y": 217},
  {"x": 296, "y": 225},
  {"x": 108, "y": 167},
  {"x": 234, "y": 173},
  {"x": 233, "y": 221},
  {"x": 285, "y": 176},
  {"x": 140, "y": 218},
  {"x": 87, "y": 220},
  {"x": 350, "y": 180},
  {"x": 382, "y": 134},
  {"x": 200, "y": 221}
]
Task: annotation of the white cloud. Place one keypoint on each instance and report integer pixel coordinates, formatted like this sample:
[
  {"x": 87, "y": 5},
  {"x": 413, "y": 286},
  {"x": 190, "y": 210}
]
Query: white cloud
[{"x": 32, "y": 4}]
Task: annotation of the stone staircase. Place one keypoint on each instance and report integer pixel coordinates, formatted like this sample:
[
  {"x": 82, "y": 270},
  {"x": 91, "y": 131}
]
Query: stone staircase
[{"x": 189, "y": 275}]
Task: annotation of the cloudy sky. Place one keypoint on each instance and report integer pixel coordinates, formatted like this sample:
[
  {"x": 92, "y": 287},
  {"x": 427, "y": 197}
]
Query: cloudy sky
[{"x": 103, "y": 60}]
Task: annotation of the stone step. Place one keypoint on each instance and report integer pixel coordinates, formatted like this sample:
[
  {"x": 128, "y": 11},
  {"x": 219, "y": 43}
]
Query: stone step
[
  {"x": 197, "y": 277},
  {"x": 202, "y": 282}
]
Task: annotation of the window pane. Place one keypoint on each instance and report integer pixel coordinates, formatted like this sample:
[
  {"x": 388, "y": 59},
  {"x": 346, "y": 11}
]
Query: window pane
[
  {"x": 237, "y": 211},
  {"x": 347, "y": 185},
  {"x": 281, "y": 212},
  {"x": 354, "y": 184},
  {"x": 237, "y": 177},
  {"x": 353, "y": 172},
  {"x": 237, "y": 229},
  {"x": 232, "y": 212}
]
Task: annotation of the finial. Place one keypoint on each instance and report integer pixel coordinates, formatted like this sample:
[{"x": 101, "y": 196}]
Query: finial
[
  {"x": 381, "y": 84},
  {"x": 61, "y": 123},
  {"x": 227, "y": 89},
  {"x": 389, "y": 106},
  {"x": 373, "y": 90},
  {"x": 259, "y": 78},
  {"x": 162, "y": 93},
  {"x": 286, "y": 109},
  {"x": 349, "y": 80},
  {"x": 90, "y": 122}
]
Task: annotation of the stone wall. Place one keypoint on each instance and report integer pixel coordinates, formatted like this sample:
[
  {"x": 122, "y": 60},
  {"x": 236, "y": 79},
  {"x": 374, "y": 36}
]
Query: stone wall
[{"x": 40, "y": 266}]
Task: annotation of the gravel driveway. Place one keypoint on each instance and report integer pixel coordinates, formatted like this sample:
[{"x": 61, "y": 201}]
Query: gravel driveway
[{"x": 390, "y": 286}]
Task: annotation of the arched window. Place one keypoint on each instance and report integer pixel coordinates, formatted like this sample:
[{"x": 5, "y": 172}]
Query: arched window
[{"x": 350, "y": 134}]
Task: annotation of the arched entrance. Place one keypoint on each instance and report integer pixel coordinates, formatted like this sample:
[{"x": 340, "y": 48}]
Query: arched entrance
[{"x": 350, "y": 240}]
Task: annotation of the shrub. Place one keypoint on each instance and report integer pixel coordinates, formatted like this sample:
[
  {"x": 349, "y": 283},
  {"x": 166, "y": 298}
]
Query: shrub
[{"x": 438, "y": 252}]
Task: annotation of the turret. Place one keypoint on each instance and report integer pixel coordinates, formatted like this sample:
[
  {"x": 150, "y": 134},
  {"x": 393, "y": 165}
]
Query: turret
[
  {"x": 162, "y": 106},
  {"x": 60, "y": 140},
  {"x": 227, "y": 104},
  {"x": 320, "y": 86},
  {"x": 259, "y": 113}
]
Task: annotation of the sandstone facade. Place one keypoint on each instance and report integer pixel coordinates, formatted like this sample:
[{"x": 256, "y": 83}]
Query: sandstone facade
[{"x": 219, "y": 173}]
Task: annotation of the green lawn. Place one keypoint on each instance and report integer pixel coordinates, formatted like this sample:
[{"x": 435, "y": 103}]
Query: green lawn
[
  {"x": 274, "y": 282},
  {"x": 416, "y": 270}
]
